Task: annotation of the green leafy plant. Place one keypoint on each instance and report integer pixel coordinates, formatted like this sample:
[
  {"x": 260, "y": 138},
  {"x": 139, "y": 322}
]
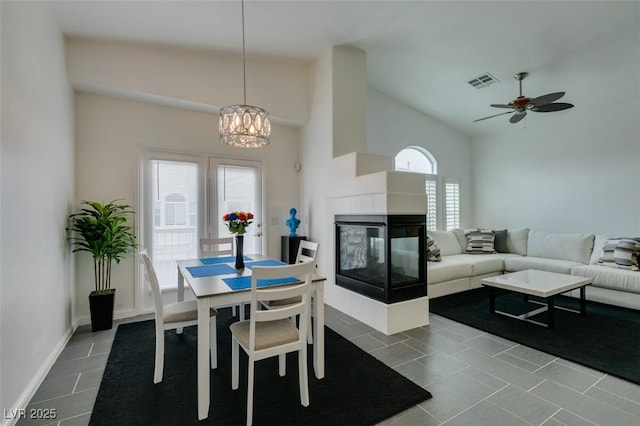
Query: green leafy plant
[{"x": 102, "y": 231}]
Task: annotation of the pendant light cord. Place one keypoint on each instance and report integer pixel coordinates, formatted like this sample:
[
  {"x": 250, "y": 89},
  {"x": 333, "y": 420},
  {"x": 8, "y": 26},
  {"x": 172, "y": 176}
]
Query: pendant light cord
[{"x": 244, "y": 65}]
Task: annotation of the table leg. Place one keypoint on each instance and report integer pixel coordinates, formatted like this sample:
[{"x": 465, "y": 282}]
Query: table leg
[
  {"x": 550, "y": 312},
  {"x": 492, "y": 300},
  {"x": 203, "y": 358},
  {"x": 180, "y": 294},
  {"x": 318, "y": 335}
]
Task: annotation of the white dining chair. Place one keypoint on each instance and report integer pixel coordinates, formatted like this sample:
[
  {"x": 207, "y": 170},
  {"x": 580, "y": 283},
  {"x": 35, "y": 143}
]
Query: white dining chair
[
  {"x": 272, "y": 332},
  {"x": 213, "y": 247},
  {"x": 216, "y": 247},
  {"x": 173, "y": 316},
  {"x": 306, "y": 252}
]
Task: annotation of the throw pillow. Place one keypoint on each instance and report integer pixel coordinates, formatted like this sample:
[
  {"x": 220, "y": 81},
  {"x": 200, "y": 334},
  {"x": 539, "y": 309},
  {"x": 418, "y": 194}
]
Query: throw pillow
[
  {"x": 517, "y": 241},
  {"x": 433, "y": 251},
  {"x": 621, "y": 253},
  {"x": 480, "y": 241},
  {"x": 500, "y": 241}
]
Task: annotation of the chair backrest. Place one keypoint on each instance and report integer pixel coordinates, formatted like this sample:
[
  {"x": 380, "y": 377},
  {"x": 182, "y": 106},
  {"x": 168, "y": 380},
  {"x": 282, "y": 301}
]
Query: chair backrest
[
  {"x": 303, "y": 272},
  {"x": 212, "y": 247},
  {"x": 152, "y": 278},
  {"x": 306, "y": 251}
]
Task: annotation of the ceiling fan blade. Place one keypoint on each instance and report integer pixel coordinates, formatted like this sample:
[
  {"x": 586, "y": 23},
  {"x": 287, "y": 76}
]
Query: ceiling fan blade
[
  {"x": 558, "y": 106},
  {"x": 547, "y": 99},
  {"x": 491, "y": 116},
  {"x": 518, "y": 116},
  {"x": 501, "y": 106}
]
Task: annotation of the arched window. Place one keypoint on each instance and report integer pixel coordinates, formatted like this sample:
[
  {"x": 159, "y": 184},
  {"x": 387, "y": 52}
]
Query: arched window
[
  {"x": 419, "y": 160},
  {"x": 416, "y": 159}
]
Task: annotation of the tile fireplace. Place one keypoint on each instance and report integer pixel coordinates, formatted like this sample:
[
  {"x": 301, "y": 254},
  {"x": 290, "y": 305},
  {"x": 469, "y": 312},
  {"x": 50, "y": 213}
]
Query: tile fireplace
[{"x": 381, "y": 256}]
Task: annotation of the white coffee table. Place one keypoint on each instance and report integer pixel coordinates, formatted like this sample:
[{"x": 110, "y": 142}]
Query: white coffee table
[{"x": 542, "y": 284}]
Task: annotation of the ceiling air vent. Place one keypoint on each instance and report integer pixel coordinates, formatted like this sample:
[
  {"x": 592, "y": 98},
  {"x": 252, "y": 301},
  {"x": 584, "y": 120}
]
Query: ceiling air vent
[{"x": 483, "y": 80}]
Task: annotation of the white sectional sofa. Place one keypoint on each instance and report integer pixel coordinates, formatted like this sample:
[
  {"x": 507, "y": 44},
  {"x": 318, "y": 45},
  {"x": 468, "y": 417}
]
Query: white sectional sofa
[{"x": 569, "y": 253}]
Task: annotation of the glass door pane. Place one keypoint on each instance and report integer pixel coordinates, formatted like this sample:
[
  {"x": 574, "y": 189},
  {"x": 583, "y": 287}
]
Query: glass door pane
[
  {"x": 237, "y": 186},
  {"x": 174, "y": 189}
]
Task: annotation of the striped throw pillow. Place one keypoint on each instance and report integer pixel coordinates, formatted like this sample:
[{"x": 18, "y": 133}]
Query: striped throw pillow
[
  {"x": 621, "y": 253},
  {"x": 480, "y": 241},
  {"x": 433, "y": 251}
]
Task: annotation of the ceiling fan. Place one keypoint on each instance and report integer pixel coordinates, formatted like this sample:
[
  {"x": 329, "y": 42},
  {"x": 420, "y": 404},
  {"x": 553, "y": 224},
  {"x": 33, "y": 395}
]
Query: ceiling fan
[{"x": 522, "y": 104}]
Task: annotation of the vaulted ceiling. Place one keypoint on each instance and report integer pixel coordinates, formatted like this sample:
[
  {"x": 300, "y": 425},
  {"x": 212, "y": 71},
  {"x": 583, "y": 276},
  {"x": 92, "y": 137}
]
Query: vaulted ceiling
[{"x": 422, "y": 53}]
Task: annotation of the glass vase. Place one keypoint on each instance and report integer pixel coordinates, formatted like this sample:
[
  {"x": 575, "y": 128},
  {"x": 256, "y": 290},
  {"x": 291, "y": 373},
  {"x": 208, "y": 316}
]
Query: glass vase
[{"x": 239, "y": 252}]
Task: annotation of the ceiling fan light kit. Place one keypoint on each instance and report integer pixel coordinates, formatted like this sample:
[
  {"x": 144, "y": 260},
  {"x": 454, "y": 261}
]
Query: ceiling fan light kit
[{"x": 522, "y": 104}]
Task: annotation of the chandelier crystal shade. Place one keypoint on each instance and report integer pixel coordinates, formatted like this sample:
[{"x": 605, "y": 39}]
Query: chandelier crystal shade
[{"x": 244, "y": 126}]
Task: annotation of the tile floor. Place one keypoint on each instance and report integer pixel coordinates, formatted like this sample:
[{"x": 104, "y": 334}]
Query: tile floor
[{"x": 476, "y": 379}]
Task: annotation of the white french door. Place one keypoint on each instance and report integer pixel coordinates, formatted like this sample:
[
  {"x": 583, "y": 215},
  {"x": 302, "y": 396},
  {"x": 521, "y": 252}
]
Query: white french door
[
  {"x": 183, "y": 198},
  {"x": 236, "y": 185}
]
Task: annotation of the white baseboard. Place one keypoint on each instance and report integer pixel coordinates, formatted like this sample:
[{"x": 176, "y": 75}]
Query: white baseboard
[
  {"x": 86, "y": 319},
  {"x": 37, "y": 380}
]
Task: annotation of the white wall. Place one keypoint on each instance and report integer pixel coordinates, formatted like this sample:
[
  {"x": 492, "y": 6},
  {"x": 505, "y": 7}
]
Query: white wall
[
  {"x": 201, "y": 79},
  {"x": 109, "y": 133},
  {"x": 573, "y": 172},
  {"x": 36, "y": 284},
  {"x": 570, "y": 171},
  {"x": 392, "y": 126}
]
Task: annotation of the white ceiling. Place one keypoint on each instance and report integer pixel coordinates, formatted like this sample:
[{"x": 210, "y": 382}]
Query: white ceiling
[{"x": 422, "y": 53}]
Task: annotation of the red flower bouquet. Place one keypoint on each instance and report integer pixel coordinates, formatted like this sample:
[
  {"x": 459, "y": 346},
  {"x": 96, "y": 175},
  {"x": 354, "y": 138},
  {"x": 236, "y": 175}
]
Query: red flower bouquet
[{"x": 238, "y": 221}]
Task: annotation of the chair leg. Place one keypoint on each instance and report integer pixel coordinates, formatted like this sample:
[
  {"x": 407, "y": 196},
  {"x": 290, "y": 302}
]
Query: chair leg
[
  {"x": 159, "y": 367},
  {"x": 310, "y": 332},
  {"x": 250, "y": 393},
  {"x": 282, "y": 364},
  {"x": 303, "y": 375},
  {"x": 213, "y": 349},
  {"x": 234, "y": 363}
]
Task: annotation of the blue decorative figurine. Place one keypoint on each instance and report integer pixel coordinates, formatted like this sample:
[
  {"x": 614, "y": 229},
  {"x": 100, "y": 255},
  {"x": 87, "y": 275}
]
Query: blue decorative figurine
[{"x": 292, "y": 222}]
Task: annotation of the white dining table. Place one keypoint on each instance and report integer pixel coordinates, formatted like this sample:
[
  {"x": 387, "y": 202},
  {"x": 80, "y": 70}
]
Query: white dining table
[{"x": 213, "y": 292}]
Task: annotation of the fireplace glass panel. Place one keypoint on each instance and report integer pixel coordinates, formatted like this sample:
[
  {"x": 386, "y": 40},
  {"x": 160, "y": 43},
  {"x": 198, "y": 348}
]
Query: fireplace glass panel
[
  {"x": 362, "y": 253},
  {"x": 381, "y": 256},
  {"x": 405, "y": 268}
]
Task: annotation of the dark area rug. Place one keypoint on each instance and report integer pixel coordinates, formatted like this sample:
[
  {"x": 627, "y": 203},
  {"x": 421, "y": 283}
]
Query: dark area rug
[
  {"x": 357, "y": 388},
  {"x": 606, "y": 339}
]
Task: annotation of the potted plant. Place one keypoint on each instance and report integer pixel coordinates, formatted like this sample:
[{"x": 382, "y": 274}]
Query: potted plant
[{"x": 102, "y": 231}]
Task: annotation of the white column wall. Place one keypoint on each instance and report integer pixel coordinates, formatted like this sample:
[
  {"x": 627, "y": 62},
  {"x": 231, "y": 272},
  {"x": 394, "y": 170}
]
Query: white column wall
[
  {"x": 335, "y": 182},
  {"x": 37, "y": 185}
]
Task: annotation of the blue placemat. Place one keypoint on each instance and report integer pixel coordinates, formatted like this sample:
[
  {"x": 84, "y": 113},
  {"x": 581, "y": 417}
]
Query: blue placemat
[
  {"x": 209, "y": 270},
  {"x": 224, "y": 259},
  {"x": 240, "y": 283},
  {"x": 268, "y": 262}
]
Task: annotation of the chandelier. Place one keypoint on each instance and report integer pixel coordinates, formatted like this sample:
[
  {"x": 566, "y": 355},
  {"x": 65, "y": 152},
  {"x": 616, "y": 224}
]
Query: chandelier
[{"x": 244, "y": 126}]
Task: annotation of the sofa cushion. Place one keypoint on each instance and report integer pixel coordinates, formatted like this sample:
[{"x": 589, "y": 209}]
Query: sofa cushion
[
  {"x": 447, "y": 270},
  {"x": 481, "y": 265},
  {"x": 612, "y": 278},
  {"x": 500, "y": 241},
  {"x": 621, "y": 253},
  {"x": 520, "y": 263},
  {"x": 562, "y": 246},
  {"x": 598, "y": 245},
  {"x": 433, "y": 251},
  {"x": 480, "y": 241},
  {"x": 461, "y": 235},
  {"x": 517, "y": 241},
  {"x": 447, "y": 242}
]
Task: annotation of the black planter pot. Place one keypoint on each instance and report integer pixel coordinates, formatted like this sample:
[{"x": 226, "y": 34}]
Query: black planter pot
[{"x": 101, "y": 306}]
